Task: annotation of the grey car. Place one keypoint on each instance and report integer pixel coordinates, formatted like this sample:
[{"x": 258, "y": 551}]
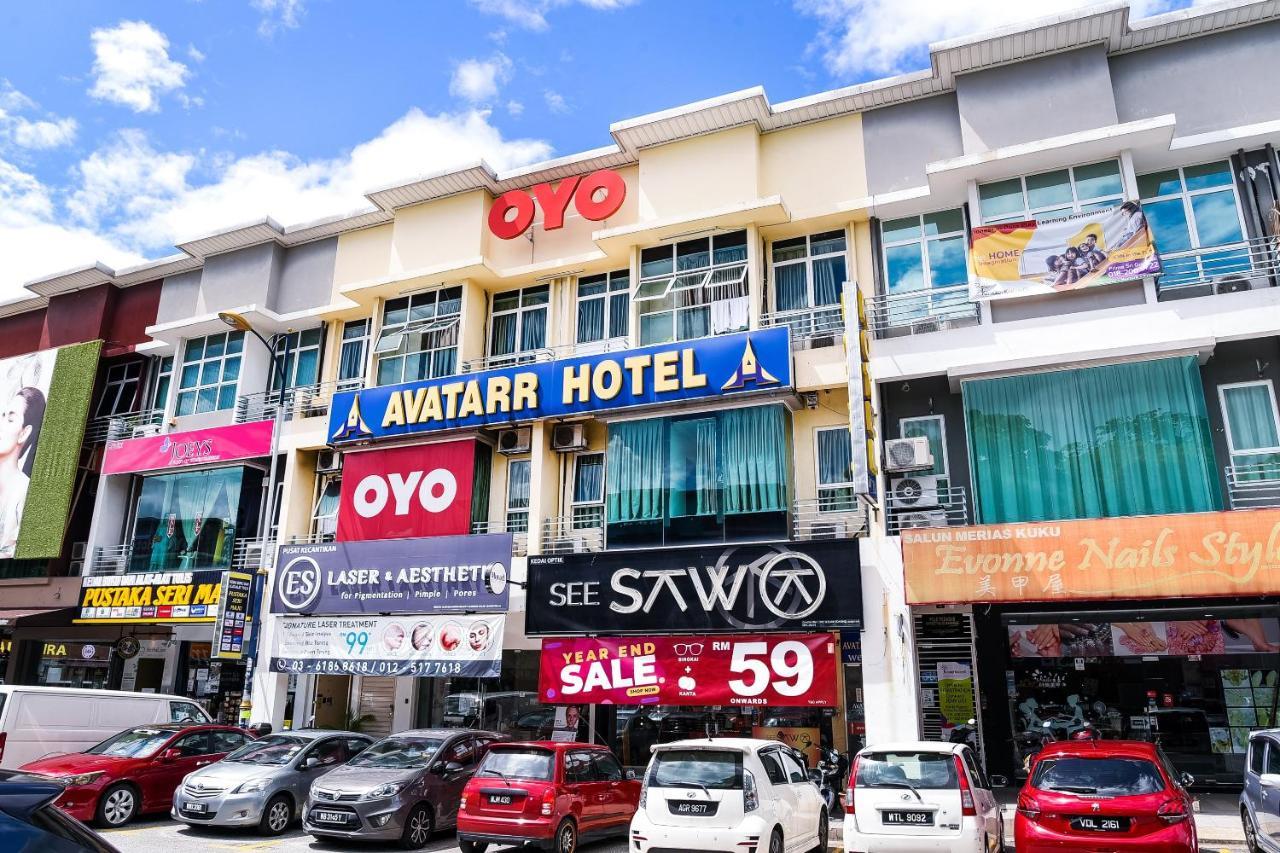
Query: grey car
[
  {"x": 263, "y": 783},
  {"x": 403, "y": 788},
  {"x": 1260, "y": 799}
]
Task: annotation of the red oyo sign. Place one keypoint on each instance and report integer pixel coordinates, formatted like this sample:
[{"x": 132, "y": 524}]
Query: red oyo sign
[
  {"x": 424, "y": 490},
  {"x": 596, "y": 196},
  {"x": 787, "y": 670}
]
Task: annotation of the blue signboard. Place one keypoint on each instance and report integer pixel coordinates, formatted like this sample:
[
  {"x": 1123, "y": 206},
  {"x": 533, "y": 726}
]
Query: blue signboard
[{"x": 687, "y": 370}]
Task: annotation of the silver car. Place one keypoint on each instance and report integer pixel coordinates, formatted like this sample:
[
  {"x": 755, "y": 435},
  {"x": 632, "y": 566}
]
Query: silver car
[
  {"x": 402, "y": 788},
  {"x": 263, "y": 783},
  {"x": 1260, "y": 799}
]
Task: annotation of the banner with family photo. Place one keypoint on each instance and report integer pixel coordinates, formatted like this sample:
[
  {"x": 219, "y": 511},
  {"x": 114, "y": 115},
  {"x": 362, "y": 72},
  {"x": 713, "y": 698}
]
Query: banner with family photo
[
  {"x": 1073, "y": 252},
  {"x": 426, "y": 646}
]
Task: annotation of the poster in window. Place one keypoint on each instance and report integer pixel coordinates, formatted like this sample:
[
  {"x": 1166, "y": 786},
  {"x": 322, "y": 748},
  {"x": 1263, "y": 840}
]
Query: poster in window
[{"x": 1073, "y": 252}]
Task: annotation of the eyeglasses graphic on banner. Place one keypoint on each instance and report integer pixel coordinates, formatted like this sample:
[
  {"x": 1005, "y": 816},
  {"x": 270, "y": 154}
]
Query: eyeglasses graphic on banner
[{"x": 687, "y": 649}]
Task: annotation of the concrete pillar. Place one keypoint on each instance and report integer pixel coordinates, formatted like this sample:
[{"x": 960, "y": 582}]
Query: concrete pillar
[
  {"x": 544, "y": 481},
  {"x": 402, "y": 710},
  {"x": 889, "y": 661}
]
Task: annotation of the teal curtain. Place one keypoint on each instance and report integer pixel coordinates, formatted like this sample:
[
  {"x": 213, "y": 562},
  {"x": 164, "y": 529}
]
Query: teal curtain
[
  {"x": 930, "y": 428},
  {"x": 482, "y": 476},
  {"x": 1126, "y": 439},
  {"x": 691, "y": 467},
  {"x": 754, "y": 447},
  {"x": 634, "y": 471},
  {"x": 1251, "y": 417}
]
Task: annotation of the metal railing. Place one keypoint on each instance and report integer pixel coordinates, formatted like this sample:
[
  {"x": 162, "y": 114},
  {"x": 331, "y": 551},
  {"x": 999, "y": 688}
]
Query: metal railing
[
  {"x": 836, "y": 516},
  {"x": 915, "y": 312},
  {"x": 246, "y": 555},
  {"x": 520, "y": 536},
  {"x": 810, "y": 327},
  {"x": 580, "y": 533},
  {"x": 126, "y": 425},
  {"x": 110, "y": 560},
  {"x": 1253, "y": 486},
  {"x": 304, "y": 401},
  {"x": 533, "y": 356},
  {"x": 927, "y": 507},
  {"x": 1219, "y": 269}
]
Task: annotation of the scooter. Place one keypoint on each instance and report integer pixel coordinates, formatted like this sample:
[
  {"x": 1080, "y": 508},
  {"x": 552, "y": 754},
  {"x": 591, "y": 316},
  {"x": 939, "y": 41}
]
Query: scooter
[
  {"x": 828, "y": 777},
  {"x": 965, "y": 733}
]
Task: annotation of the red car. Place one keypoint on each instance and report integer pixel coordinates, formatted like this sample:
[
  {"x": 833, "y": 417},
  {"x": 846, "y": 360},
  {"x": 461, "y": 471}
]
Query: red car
[
  {"x": 136, "y": 771},
  {"x": 545, "y": 794},
  {"x": 1111, "y": 795}
]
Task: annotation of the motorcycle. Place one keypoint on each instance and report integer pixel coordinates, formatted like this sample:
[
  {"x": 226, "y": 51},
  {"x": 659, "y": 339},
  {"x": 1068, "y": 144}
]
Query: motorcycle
[
  {"x": 828, "y": 777},
  {"x": 965, "y": 733}
]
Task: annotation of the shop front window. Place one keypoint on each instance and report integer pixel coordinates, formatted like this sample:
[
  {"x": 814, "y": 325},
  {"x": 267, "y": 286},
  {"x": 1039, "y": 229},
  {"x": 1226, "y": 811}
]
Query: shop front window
[
  {"x": 191, "y": 520},
  {"x": 721, "y": 476},
  {"x": 74, "y": 664},
  {"x": 210, "y": 373},
  {"x": 419, "y": 336},
  {"x": 1119, "y": 440}
]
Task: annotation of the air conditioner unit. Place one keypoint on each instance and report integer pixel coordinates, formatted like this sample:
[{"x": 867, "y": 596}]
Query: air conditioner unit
[
  {"x": 907, "y": 454},
  {"x": 328, "y": 462},
  {"x": 927, "y": 518},
  {"x": 1233, "y": 283},
  {"x": 911, "y": 493},
  {"x": 512, "y": 441},
  {"x": 568, "y": 437}
]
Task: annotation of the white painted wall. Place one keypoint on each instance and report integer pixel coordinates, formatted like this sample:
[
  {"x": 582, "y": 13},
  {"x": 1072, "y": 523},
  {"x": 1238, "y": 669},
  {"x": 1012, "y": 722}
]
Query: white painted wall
[{"x": 889, "y": 662}]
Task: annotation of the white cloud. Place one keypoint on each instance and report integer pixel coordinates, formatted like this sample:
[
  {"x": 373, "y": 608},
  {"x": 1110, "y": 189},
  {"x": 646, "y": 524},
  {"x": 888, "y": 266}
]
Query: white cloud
[
  {"x": 515, "y": 109},
  {"x": 556, "y": 102},
  {"x": 478, "y": 80},
  {"x": 532, "y": 14},
  {"x": 195, "y": 54},
  {"x": 132, "y": 66},
  {"x": 12, "y": 100},
  {"x": 30, "y": 132},
  {"x": 880, "y": 37},
  {"x": 279, "y": 15}
]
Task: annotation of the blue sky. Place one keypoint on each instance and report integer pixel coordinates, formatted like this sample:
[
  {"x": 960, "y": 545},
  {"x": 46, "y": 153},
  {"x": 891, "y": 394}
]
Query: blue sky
[{"x": 130, "y": 125}]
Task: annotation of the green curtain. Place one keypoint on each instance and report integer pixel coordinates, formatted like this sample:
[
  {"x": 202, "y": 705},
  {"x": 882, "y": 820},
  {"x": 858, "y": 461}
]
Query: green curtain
[
  {"x": 755, "y": 447},
  {"x": 693, "y": 484},
  {"x": 482, "y": 476},
  {"x": 634, "y": 471},
  {"x": 1252, "y": 420},
  {"x": 1126, "y": 439},
  {"x": 930, "y": 428}
]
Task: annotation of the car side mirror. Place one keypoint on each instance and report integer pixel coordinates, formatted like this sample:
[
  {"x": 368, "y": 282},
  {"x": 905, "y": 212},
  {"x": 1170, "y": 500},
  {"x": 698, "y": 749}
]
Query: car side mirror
[
  {"x": 453, "y": 767},
  {"x": 170, "y": 755},
  {"x": 1270, "y": 780},
  {"x": 310, "y": 761},
  {"x": 998, "y": 781},
  {"x": 1188, "y": 780},
  {"x": 631, "y": 775},
  {"x": 815, "y": 776}
]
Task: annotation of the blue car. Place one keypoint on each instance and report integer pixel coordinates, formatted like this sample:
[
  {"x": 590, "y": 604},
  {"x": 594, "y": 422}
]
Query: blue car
[
  {"x": 31, "y": 823},
  {"x": 1260, "y": 799}
]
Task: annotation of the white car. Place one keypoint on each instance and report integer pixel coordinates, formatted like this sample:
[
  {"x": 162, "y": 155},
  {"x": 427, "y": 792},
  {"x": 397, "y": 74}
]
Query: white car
[
  {"x": 920, "y": 796},
  {"x": 728, "y": 794}
]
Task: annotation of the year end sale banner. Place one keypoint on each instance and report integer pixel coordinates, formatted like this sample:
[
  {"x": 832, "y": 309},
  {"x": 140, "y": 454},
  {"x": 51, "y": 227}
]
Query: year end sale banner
[
  {"x": 1054, "y": 255},
  {"x": 1155, "y": 556},
  {"x": 781, "y": 669}
]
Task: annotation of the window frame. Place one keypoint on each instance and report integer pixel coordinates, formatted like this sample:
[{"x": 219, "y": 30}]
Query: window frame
[
  {"x": 922, "y": 240},
  {"x": 1232, "y": 452},
  {"x": 118, "y": 385},
  {"x": 1077, "y": 203},
  {"x": 1185, "y": 195},
  {"x": 807, "y": 260},
  {"x": 598, "y": 503},
  {"x": 622, "y": 276},
  {"x": 836, "y": 490},
  {"x": 323, "y": 482},
  {"x": 220, "y": 384},
  {"x": 360, "y": 342},
  {"x": 437, "y": 325},
  {"x": 521, "y": 312},
  {"x": 945, "y": 472},
  {"x": 509, "y": 510},
  {"x": 679, "y": 281},
  {"x": 294, "y": 348}
]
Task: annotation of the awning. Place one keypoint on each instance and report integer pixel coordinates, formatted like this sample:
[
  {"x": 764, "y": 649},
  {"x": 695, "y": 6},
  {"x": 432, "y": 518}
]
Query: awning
[{"x": 14, "y": 617}]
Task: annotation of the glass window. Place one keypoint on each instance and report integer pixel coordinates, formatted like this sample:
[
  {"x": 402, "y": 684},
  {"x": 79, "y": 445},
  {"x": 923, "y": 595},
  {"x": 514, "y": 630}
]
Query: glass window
[
  {"x": 518, "y": 323},
  {"x": 930, "y": 771},
  {"x": 934, "y": 428},
  {"x": 588, "y": 490},
  {"x": 517, "y": 763},
  {"x": 717, "y": 770},
  {"x": 120, "y": 389},
  {"x": 834, "y": 448},
  {"x": 796, "y": 772},
  {"x": 1192, "y": 209},
  {"x": 354, "y": 353},
  {"x": 1252, "y": 424},
  {"x": 298, "y": 358},
  {"x": 1050, "y": 194},
  {"x": 210, "y": 371},
  {"x": 227, "y": 741},
  {"x": 187, "y": 521},
  {"x": 1104, "y": 777},
  {"x": 399, "y": 753},
  {"x": 919, "y": 254},
  {"x": 808, "y": 272},
  {"x": 324, "y": 518},
  {"x": 604, "y": 306},
  {"x": 1257, "y": 752},
  {"x": 772, "y": 763},
  {"x": 186, "y": 712},
  {"x": 273, "y": 750},
  {"x": 693, "y": 288},
  {"x": 419, "y": 336},
  {"x": 164, "y": 378},
  {"x": 607, "y": 767},
  {"x": 1273, "y": 759},
  {"x": 518, "y": 495}
]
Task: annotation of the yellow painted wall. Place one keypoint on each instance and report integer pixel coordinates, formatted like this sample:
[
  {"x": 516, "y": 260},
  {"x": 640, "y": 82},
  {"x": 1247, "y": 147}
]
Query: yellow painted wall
[
  {"x": 363, "y": 255},
  {"x": 439, "y": 233},
  {"x": 814, "y": 166},
  {"x": 832, "y": 410},
  {"x": 698, "y": 174}
]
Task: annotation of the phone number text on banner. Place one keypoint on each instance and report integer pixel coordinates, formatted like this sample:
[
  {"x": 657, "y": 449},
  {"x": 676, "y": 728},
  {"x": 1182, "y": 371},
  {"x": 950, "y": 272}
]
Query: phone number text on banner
[
  {"x": 463, "y": 646},
  {"x": 765, "y": 669}
]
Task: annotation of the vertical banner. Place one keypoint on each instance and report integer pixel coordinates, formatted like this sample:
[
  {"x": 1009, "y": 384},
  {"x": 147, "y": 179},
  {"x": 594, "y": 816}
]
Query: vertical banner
[
  {"x": 955, "y": 694},
  {"x": 228, "y": 629},
  {"x": 861, "y": 423}
]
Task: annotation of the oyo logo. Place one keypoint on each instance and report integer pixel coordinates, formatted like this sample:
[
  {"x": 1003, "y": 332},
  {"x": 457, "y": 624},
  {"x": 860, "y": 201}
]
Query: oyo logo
[
  {"x": 299, "y": 583},
  {"x": 434, "y": 490},
  {"x": 596, "y": 197}
]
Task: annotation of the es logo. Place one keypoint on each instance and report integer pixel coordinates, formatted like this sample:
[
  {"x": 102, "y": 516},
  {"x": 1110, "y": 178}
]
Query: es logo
[
  {"x": 596, "y": 197},
  {"x": 300, "y": 583},
  {"x": 433, "y": 490}
]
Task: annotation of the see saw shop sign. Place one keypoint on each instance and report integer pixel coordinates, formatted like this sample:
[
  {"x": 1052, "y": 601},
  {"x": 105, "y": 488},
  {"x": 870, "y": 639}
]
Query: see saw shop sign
[
  {"x": 707, "y": 367},
  {"x": 151, "y": 598},
  {"x": 797, "y": 586}
]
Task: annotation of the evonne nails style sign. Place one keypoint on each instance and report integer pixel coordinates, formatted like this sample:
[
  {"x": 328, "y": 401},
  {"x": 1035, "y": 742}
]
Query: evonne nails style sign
[{"x": 1164, "y": 556}]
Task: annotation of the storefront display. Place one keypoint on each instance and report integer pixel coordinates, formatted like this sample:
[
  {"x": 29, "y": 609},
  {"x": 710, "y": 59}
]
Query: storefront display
[
  {"x": 74, "y": 664},
  {"x": 190, "y": 520}
]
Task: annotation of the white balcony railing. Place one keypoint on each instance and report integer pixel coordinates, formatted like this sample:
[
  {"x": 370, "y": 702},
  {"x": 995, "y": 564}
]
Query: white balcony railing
[
  {"x": 520, "y": 535},
  {"x": 246, "y": 555},
  {"x": 126, "y": 425},
  {"x": 1253, "y": 486},
  {"x": 580, "y": 533},
  {"x": 810, "y": 327},
  {"x": 933, "y": 508},
  {"x": 915, "y": 312},
  {"x": 840, "y": 517},
  {"x": 533, "y": 356},
  {"x": 1229, "y": 268},
  {"x": 304, "y": 401}
]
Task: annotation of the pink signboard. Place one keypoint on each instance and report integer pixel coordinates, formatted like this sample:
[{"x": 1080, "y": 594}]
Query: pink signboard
[{"x": 184, "y": 449}]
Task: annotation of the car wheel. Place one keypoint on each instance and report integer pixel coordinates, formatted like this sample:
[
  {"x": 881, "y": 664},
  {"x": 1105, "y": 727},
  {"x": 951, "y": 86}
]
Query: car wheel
[
  {"x": 775, "y": 841},
  {"x": 824, "y": 836},
  {"x": 277, "y": 816},
  {"x": 1250, "y": 832},
  {"x": 473, "y": 846},
  {"x": 117, "y": 806},
  {"x": 566, "y": 837},
  {"x": 418, "y": 828}
]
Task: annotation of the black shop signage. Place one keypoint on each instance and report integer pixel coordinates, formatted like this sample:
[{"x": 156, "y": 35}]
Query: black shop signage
[{"x": 795, "y": 586}]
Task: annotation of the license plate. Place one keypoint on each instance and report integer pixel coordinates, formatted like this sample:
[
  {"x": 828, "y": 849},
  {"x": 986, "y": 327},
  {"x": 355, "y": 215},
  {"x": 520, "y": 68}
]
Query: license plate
[
  {"x": 904, "y": 818},
  {"x": 195, "y": 808},
  {"x": 1100, "y": 824},
  {"x": 329, "y": 817},
  {"x": 499, "y": 799},
  {"x": 695, "y": 809}
]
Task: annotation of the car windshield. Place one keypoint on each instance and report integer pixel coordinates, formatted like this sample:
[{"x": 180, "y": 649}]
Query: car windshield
[
  {"x": 517, "y": 764},
  {"x": 931, "y": 771},
  {"x": 398, "y": 752},
  {"x": 274, "y": 749},
  {"x": 133, "y": 743},
  {"x": 1108, "y": 777},
  {"x": 697, "y": 768}
]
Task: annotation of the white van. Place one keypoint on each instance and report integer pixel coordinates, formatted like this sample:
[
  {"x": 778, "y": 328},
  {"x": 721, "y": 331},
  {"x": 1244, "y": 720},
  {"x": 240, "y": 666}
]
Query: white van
[{"x": 37, "y": 721}]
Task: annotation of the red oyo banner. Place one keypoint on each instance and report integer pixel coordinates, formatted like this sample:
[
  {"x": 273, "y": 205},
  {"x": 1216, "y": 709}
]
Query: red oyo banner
[
  {"x": 787, "y": 670},
  {"x": 183, "y": 449},
  {"x": 423, "y": 490}
]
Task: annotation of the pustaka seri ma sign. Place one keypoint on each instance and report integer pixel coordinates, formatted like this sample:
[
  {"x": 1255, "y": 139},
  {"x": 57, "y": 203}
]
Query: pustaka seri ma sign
[
  {"x": 150, "y": 598},
  {"x": 596, "y": 197}
]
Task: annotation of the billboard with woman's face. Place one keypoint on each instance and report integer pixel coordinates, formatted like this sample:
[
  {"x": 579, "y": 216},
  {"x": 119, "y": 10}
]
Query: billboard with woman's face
[{"x": 24, "y": 395}]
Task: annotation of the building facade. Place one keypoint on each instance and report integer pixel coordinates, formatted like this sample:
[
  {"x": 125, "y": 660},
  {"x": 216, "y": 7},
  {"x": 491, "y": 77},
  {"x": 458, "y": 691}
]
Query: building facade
[{"x": 944, "y": 396}]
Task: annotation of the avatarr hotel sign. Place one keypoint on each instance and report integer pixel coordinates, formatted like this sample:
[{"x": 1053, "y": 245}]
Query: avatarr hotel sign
[{"x": 706, "y": 367}]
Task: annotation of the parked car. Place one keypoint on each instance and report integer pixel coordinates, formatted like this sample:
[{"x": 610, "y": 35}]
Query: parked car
[
  {"x": 264, "y": 783},
  {"x": 1112, "y": 794},
  {"x": 39, "y": 721},
  {"x": 728, "y": 794},
  {"x": 30, "y": 821},
  {"x": 135, "y": 771},
  {"x": 548, "y": 795},
  {"x": 402, "y": 788},
  {"x": 902, "y": 793},
  {"x": 1260, "y": 799}
]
